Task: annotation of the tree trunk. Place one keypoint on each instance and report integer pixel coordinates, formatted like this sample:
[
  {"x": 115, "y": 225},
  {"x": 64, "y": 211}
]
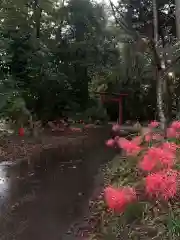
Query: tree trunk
[
  {"x": 177, "y": 3},
  {"x": 159, "y": 88},
  {"x": 37, "y": 17},
  {"x": 160, "y": 103},
  {"x": 155, "y": 22}
]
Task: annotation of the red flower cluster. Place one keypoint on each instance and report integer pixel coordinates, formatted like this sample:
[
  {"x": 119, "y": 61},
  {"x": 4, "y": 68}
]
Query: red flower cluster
[
  {"x": 154, "y": 124},
  {"x": 110, "y": 143},
  {"x": 156, "y": 158},
  {"x": 171, "y": 133},
  {"x": 131, "y": 147},
  {"x": 167, "y": 146},
  {"x": 118, "y": 199},
  {"x": 116, "y": 127},
  {"x": 162, "y": 184},
  {"x": 174, "y": 130},
  {"x": 161, "y": 181},
  {"x": 148, "y": 137},
  {"x": 176, "y": 125}
]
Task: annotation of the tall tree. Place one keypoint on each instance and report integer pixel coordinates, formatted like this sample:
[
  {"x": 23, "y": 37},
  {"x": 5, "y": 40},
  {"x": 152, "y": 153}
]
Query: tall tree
[
  {"x": 160, "y": 103},
  {"x": 177, "y": 2},
  {"x": 53, "y": 51}
]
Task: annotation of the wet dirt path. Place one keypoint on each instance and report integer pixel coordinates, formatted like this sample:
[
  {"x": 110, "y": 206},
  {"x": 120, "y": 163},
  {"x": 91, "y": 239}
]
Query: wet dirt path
[{"x": 43, "y": 201}]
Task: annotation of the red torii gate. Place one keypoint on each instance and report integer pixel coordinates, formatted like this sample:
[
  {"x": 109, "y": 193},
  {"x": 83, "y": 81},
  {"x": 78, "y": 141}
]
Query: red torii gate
[{"x": 114, "y": 97}]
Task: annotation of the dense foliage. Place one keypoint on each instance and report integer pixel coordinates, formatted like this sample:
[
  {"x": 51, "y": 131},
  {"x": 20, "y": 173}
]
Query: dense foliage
[
  {"x": 50, "y": 53},
  {"x": 54, "y": 55}
]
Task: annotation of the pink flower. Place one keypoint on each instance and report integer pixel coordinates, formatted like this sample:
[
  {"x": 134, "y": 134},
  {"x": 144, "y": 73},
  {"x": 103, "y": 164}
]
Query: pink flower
[
  {"x": 162, "y": 184},
  {"x": 167, "y": 146},
  {"x": 130, "y": 147},
  {"x": 154, "y": 124},
  {"x": 116, "y": 128},
  {"x": 155, "y": 158},
  {"x": 148, "y": 137},
  {"x": 118, "y": 199},
  {"x": 116, "y": 138},
  {"x": 122, "y": 142},
  {"x": 110, "y": 143},
  {"x": 147, "y": 165},
  {"x": 175, "y": 125},
  {"x": 171, "y": 132}
]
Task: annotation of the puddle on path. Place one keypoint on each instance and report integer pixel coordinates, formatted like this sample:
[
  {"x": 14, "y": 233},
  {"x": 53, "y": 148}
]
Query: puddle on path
[{"x": 42, "y": 202}]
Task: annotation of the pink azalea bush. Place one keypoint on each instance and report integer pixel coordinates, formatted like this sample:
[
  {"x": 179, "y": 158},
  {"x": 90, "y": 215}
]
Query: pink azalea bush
[{"x": 156, "y": 163}]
